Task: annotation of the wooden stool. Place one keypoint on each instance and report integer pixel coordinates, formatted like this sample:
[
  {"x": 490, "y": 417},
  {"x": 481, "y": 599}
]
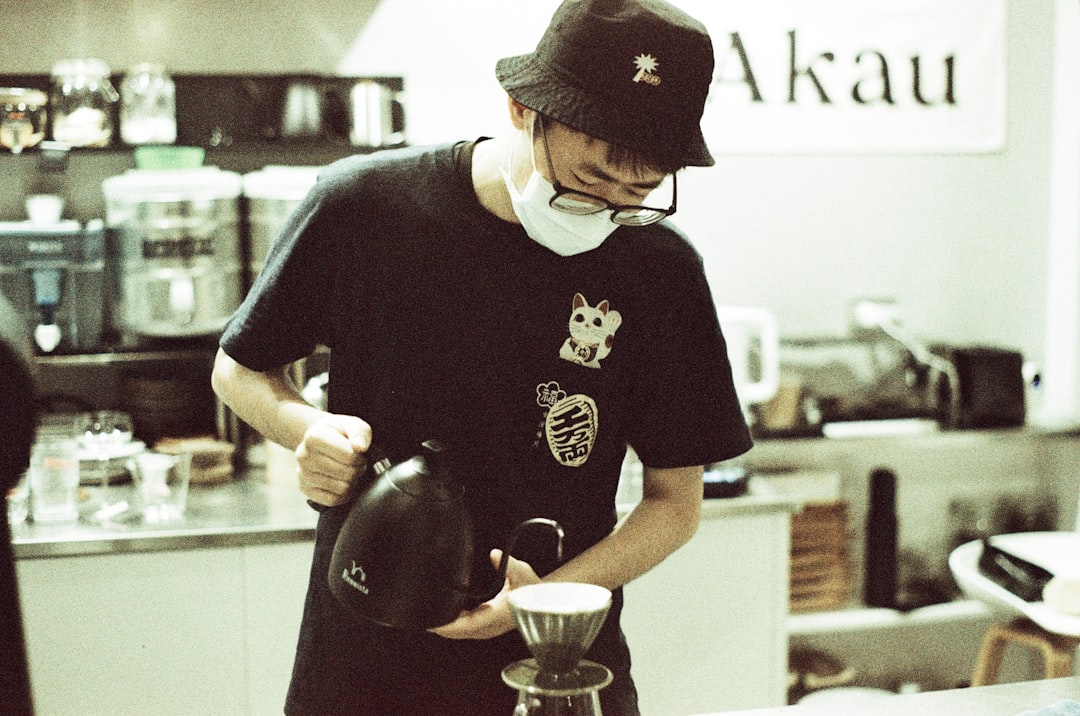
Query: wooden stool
[{"x": 1057, "y": 650}]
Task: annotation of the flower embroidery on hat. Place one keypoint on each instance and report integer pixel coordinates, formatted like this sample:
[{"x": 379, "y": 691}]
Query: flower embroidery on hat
[{"x": 646, "y": 66}]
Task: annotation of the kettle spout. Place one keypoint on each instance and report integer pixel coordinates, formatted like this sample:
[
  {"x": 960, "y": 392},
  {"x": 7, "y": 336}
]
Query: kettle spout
[
  {"x": 535, "y": 522},
  {"x": 500, "y": 575}
]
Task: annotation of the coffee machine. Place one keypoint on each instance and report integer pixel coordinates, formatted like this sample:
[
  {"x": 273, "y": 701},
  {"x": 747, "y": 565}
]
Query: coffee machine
[{"x": 54, "y": 276}]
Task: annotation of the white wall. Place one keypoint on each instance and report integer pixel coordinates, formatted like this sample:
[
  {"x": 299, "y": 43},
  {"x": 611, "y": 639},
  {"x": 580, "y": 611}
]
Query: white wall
[
  {"x": 1063, "y": 254},
  {"x": 210, "y": 36},
  {"x": 960, "y": 241}
]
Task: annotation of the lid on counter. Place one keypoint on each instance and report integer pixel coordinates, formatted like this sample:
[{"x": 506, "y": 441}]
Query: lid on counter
[
  {"x": 280, "y": 182},
  {"x": 137, "y": 185}
]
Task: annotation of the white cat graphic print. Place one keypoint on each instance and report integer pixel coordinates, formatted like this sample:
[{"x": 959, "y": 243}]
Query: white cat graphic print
[
  {"x": 592, "y": 332},
  {"x": 571, "y": 420}
]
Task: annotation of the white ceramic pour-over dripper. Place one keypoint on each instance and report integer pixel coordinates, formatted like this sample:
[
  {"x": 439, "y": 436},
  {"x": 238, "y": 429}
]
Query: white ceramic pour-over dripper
[{"x": 559, "y": 621}]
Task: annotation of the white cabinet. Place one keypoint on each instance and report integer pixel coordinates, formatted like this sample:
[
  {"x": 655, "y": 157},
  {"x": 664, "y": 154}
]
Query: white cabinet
[
  {"x": 275, "y": 582},
  {"x": 204, "y": 631},
  {"x": 213, "y": 630},
  {"x": 706, "y": 627}
]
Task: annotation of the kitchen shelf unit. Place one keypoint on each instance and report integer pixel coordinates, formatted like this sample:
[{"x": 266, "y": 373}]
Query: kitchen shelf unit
[
  {"x": 857, "y": 618},
  {"x": 236, "y": 118},
  {"x": 94, "y": 380},
  {"x": 934, "y": 646},
  {"x": 243, "y": 109},
  {"x": 79, "y": 174},
  {"x": 164, "y": 387}
]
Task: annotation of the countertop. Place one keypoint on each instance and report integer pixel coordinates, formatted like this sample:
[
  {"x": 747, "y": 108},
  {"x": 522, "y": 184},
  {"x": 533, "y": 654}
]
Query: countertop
[
  {"x": 998, "y": 700},
  {"x": 756, "y": 501},
  {"x": 245, "y": 511}
]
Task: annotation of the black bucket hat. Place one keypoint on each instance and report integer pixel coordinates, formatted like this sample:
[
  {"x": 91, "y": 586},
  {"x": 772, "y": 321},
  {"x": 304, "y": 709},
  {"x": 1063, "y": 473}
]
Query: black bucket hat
[{"x": 635, "y": 73}]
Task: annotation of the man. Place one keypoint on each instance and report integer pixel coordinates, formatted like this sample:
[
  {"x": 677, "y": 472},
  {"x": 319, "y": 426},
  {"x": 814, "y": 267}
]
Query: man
[
  {"x": 516, "y": 300},
  {"x": 18, "y": 422}
]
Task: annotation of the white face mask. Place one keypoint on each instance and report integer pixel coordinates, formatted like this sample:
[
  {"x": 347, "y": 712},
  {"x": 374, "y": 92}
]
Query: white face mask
[{"x": 565, "y": 234}]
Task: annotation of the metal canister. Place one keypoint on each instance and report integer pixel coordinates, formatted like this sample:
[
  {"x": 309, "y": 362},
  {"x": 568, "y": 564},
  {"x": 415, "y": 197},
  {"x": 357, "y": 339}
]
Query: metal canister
[
  {"x": 272, "y": 194},
  {"x": 177, "y": 248},
  {"x": 378, "y": 115}
]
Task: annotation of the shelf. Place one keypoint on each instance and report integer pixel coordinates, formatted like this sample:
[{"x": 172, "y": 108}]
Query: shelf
[
  {"x": 247, "y": 113},
  {"x": 870, "y": 618},
  {"x": 112, "y": 358},
  {"x": 913, "y": 435},
  {"x": 182, "y": 353}
]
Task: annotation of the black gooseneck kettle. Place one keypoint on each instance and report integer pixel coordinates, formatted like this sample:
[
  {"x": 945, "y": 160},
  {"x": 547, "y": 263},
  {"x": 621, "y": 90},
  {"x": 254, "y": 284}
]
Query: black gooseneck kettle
[{"x": 404, "y": 554}]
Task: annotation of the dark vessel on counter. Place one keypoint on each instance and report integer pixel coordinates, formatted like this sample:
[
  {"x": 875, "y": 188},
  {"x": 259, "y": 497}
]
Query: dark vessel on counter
[{"x": 879, "y": 589}]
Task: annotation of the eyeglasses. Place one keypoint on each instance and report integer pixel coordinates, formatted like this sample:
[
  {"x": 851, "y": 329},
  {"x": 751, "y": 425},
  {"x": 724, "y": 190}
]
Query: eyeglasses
[{"x": 572, "y": 201}]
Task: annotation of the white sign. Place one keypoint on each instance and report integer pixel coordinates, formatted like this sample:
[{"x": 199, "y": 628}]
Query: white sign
[{"x": 836, "y": 76}]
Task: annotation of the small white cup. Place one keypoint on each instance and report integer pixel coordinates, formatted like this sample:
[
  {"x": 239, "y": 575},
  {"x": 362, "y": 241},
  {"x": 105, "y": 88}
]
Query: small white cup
[
  {"x": 163, "y": 480},
  {"x": 44, "y": 208}
]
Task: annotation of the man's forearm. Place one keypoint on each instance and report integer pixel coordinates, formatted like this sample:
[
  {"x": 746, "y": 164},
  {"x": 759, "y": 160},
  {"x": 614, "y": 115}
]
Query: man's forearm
[
  {"x": 665, "y": 519},
  {"x": 267, "y": 401}
]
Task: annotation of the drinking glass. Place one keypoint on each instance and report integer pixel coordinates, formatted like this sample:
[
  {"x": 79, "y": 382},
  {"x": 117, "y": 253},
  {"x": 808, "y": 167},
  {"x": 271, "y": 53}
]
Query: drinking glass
[
  {"x": 102, "y": 434},
  {"x": 18, "y": 501},
  {"x": 54, "y": 480}
]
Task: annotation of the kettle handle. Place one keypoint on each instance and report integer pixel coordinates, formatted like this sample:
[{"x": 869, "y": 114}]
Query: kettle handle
[
  {"x": 500, "y": 574},
  {"x": 378, "y": 460},
  {"x": 378, "y": 463}
]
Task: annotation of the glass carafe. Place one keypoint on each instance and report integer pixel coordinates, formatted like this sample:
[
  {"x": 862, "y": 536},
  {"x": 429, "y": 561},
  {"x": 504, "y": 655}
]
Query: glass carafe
[
  {"x": 148, "y": 106},
  {"x": 82, "y": 100}
]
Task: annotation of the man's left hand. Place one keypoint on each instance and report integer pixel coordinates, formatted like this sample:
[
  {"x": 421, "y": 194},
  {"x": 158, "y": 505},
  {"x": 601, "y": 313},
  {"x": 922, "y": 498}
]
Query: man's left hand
[{"x": 493, "y": 617}]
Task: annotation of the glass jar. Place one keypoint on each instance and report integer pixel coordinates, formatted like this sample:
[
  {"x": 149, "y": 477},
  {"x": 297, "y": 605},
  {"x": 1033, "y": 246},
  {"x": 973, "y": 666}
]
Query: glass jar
[
  {"x": 148, "y": 106},
  {"x": 82, "y": 102},
  {"x": 22, "y": 117}
]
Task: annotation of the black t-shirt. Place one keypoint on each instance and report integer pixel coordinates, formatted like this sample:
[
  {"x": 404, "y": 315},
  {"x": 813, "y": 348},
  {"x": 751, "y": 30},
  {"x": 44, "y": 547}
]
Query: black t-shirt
[{"x": 536, "y": 370}]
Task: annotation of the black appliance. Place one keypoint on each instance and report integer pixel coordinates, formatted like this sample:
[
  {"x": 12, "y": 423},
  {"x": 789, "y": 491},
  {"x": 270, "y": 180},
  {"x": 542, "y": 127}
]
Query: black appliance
[{"x": 991, "y": 385}]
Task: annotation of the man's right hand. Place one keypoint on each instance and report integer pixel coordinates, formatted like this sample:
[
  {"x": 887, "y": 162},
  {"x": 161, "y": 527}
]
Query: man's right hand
[{"x": 332, "y": 457}]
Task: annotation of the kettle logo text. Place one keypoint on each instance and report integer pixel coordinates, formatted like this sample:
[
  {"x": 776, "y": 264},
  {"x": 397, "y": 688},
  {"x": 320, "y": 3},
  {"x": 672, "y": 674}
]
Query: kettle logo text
[{"x": 347, "y": 575}]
